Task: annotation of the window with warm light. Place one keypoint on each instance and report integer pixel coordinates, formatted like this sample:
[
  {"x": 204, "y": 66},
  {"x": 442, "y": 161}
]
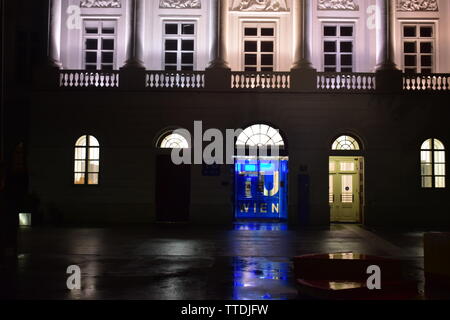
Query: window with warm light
[
  {"x": 173, "y": 141},
  {"x": 260, "y": 135},
  {"x": 433, "y": 171},
  {"x": 345, "y": 143},
  {"x": 87, "y": 161}
]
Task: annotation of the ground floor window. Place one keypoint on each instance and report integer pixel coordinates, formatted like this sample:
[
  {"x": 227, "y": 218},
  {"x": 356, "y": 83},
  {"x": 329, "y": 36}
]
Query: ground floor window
[
  {"x": 433, "y": 164},
  {"x": 87, "y": 161}
]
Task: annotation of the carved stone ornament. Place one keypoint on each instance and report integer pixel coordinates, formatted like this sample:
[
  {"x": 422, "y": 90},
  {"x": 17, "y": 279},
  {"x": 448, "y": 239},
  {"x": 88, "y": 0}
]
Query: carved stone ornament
[
  {"x": 418, "y": 5},
  {"x": 180, "y": 4},
  {"x": 350, "y": 5},
  {"x": 259, "y": 5},
  {"x": 101, "y": 4}
]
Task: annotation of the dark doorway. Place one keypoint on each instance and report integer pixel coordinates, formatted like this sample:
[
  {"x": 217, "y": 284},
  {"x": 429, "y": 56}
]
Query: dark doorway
[{"x": 173, "y": 194}]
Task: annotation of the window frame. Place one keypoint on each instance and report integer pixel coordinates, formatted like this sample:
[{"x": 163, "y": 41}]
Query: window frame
[
  {"x": 179, "y": 37},
  {"x": 433, "y": 164},
  {"x": 259, "y": 39},
  {"x": 99, "y": 36},
  {"x": 86, "y": 170},
  {"x": 418, "y": 40},
  {"x": 338, "y": 39}
]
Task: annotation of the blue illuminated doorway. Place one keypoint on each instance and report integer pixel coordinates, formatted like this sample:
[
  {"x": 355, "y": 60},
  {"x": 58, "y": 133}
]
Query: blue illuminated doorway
[{"x": 261, "y": 188}]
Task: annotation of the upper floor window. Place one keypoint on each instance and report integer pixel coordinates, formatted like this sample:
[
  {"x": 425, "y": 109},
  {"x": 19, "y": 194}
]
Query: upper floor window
[
  {"x": 99, "y": 48},
  {"x": 338, "y": 47},
  {"x": 87, "y": 161},
  {"x": 345, "y": 143},
  {"x": 433, "y": 164},
  {"x": 259, "y": 46},
  {"x": 418, "y": 47},
  {"x": 179, "y": 45}
]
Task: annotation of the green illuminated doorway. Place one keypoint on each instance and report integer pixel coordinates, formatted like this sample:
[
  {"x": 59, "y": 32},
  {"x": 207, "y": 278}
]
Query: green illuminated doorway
[{"x": 346, "y": 189}]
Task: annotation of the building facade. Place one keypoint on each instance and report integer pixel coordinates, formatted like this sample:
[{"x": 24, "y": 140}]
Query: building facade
[{"x": 353, "y": 92}]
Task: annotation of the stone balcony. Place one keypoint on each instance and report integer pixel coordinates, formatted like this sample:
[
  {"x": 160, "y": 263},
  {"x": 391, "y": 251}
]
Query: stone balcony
[{"x": 224, "y": 79}]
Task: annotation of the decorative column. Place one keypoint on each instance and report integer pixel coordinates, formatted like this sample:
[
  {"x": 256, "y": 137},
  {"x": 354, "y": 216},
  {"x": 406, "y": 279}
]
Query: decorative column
[
  {"x": 388, "y": 77},
  {"x": 303, "y": 75},
  {"x": 218, "y": 74},
  {"x": 219, "y": 25},
  {"x": 302, "y": 12},
  {"x": 135, "y": 46},
  {"x": 385, "y": 37},
  {"x": 54, "y": 34}
]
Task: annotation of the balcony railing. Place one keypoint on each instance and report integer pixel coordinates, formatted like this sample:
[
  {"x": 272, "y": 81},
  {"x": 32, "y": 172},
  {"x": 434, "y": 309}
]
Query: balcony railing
[
  {"x": 336, "y": 81},
  {"x": 88, "y": 79},
  {"x": 261, "y": 81},
  {"x": 175, "y": 79},
  {"x": 421, "y": 82}
]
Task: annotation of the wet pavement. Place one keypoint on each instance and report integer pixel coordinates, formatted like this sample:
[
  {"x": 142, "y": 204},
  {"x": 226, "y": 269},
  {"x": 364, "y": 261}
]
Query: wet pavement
[{"x": 174, "y": 262}]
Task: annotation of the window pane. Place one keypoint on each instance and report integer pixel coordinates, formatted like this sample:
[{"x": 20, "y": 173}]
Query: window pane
[
  {"x": 426, "y": 47},
  {"x": 439, "y": 156},
  {"x": 426, "y": 61},
  {"x": 410, "y": 47},
  {"x": 409, "y": 31},
  {"x": 440, "y": 182},
  {"x": 92, "y": 30},
  {"x": 108, "y": 44},
  {"x": 188, "y": 29},
  {"x": 171, "y": 45},
  {"x": 171, "y": 28},
  {"x": 426, "y": 32},
  {"x": 330, "y": 69},
  {"x": 410, "y": 61},
  {"x": 79, "y": 178},
  {"x": 346, "y": 69},
  {"x": 187, "y": 45},
  {"x": 266, "y": 68},
  {"x": 427, "y": 169},
  {"x": 108, "y": 30},
  {"x": 93, "y": 178},
  {"x": 427, "y": 182},
  {"x": 107, "y": 57},
  {"x": 439, "y": 169},
  {"x": 91, "y": 57},
  {"x": 93, "y": 166},
  {"x": 250, "y": 59},
  {"x": 267, "y": 59},
  {"x": 346, "y": 46},
  {"x": 346, "y": 60},
  {"x": 171, "y": 57},
  {"x": 91, "y": 44},
  {"x": 251, "y": 69},
  {"x": 267, "y": 32},
  {"x": 187, "y": 58},
  {"x": 329, "y": 46},
  {"x": 251, "y": 31},
  {"x": 330, "y": 59},
  {"x": 426, "y": 156},
  {"x": 347, "y": 31},
  {"x": 251, "y": 46},
  {"x": 80, "y": 166},
  {"x": 94, "y": 153},
  {"x": 80, "y": 153},
  {"x": 329, "y": 31},
  {"x": 170, "y": 68},
  {"x": 267, "y": 46},
  {"x": 187, "y": 68}
]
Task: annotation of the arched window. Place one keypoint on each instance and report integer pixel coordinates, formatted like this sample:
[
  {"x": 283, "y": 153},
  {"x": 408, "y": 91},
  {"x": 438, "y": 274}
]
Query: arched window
[
  {"x": 432, "y": 156},
  {"x": 173, "y": 141},
  {"x": 345, "y": 143},
  {"x": 260, "y": 135},
  {"x": 87, "y": 161}
]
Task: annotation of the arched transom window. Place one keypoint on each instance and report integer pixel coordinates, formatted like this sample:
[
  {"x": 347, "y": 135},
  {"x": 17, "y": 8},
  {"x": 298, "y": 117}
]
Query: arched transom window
[
  {"x": 173, "y": 141},
  {"x": 345, "y": 143},
  {"x": 87, "y": 161},
  {"x": 432, "y": 156},
  {"x": 260, "y": 135}
]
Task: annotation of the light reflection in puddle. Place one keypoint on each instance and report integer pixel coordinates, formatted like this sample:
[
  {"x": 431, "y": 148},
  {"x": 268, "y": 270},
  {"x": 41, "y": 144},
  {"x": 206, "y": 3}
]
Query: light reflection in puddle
[
  {"x": 258, "y": 278},
  {"x": 260, "y": 226}
]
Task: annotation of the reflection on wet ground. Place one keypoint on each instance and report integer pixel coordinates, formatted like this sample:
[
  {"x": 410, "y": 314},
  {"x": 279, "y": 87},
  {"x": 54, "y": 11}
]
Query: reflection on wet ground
[{"x": 170, "y": 262}]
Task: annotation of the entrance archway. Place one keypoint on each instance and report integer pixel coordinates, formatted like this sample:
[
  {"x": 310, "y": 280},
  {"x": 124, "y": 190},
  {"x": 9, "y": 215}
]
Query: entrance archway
[
  {"x": 261, "y": 178},
  {"x": 346, "y": 181}
]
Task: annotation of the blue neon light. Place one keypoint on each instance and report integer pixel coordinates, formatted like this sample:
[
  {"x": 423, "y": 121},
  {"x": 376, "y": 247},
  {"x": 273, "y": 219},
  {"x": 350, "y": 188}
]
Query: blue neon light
[{"x": 250, "y": 167}]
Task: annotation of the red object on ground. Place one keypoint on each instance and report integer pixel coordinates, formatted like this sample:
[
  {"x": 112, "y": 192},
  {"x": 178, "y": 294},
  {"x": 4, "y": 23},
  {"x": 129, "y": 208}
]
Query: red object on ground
[{"x": 341, "y": 276}]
